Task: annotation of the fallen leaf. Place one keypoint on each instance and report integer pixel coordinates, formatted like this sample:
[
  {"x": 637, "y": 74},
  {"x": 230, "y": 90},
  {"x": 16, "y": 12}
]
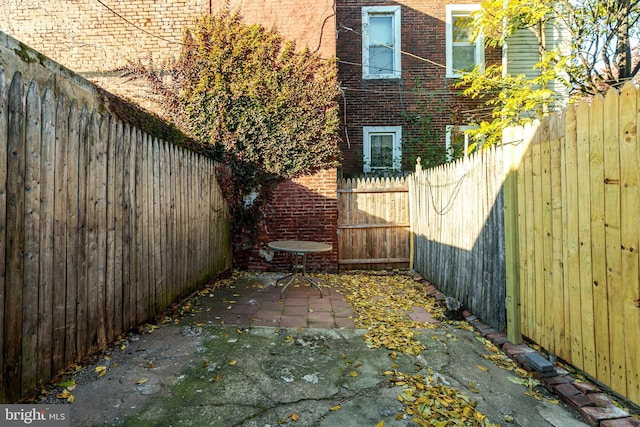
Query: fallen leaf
[
  {"x": 142, "y": 380},
  {"x": 483, "y": 368},
  {"x": 101, "y": 370},
  {"x": 380, "y": 424},
  {"x": 353, "y": 374},
  {"x": 66, "y": 383},
  {"x": 64, "y": 394},
  {"x": 233, "y": 363},
  {"x": 294, "y": 417},
  {"x": 335, "y": 408}
]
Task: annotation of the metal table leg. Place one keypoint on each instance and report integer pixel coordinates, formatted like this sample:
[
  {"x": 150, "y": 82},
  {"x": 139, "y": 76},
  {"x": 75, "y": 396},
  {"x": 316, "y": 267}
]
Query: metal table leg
[{"x": 297, "y": 266}]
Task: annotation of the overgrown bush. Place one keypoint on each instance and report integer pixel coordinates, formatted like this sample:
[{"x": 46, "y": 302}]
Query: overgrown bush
[{"x": 265, "y": 108}]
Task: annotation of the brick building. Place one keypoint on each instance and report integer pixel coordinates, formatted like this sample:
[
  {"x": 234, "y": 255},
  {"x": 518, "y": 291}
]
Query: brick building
[
  {"x": 398, "y": 63},
  {"x": 396, "y": 59}
]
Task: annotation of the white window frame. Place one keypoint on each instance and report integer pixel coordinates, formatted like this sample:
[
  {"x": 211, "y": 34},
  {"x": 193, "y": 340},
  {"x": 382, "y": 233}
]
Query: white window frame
[
  {"x": 461, "y": 10},
  {"x": 449, "y": 141},
  {"x": 367, "y": 132},
  {"x": 394, "y": 11}
]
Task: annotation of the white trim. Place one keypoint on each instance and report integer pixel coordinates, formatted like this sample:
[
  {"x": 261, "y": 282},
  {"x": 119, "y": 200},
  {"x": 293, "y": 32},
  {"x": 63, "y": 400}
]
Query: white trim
[
  {"x": 394, "y": 12},
  {"x": 461, "y": 9},
  {"x": 368, "y": 131},
  {"x": 448, "y": 142}
]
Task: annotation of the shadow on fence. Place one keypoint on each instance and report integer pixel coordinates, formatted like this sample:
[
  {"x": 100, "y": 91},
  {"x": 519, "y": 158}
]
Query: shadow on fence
[{"x": 102, "y": 225}]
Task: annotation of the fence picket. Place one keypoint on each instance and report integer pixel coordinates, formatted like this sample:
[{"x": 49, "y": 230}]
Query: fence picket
[
  {"x": 47, "y": 211},
  {"x": 11, "y": 378},
  {"x": 4, "y": 134},
  {"x": 596, "y": 193},
  {"x": 614, "y": 287},
  {"x": 33, "y": 141},
  {"x": 629, "y": 239}
]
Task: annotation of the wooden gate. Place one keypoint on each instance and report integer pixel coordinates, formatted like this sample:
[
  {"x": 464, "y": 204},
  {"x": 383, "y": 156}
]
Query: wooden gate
[{"x": 373, "y": 224}]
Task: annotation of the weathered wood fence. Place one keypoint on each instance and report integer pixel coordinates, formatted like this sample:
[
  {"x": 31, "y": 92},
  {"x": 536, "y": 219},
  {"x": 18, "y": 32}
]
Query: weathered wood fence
[
  {"x": 547, "y": 229},
  {"x": 373, "y": 223},
  {"x": 101, "y": 225},
  {"x": 457, "y": 224}
]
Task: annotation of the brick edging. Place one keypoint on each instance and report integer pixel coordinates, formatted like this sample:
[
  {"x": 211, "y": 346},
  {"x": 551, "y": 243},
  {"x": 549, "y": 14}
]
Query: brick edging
[{"x": 594, "y": 406}]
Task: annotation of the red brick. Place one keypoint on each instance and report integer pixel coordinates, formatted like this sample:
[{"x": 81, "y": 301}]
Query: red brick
[
  {"x": 585, "y": 388},
  {"x": 595, "y": 415},
  {"x": 565, "y": 390},
  {"x": 517, "y": 349},
  {"x": 578, "y": 400},
  {"x": 621, "y": 422}
]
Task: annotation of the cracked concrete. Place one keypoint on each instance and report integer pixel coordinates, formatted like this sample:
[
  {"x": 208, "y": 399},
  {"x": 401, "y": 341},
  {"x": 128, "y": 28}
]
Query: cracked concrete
[
  {"x": 202, "y": 373},
  {"x": 261, "y": 376}
]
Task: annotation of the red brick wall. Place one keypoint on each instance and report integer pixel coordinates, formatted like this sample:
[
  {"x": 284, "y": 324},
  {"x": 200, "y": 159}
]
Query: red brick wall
[
  {"x": 301, "y": 209},
  {"x": 388, "y": 102},
  {"x": 91, "y": 40}
]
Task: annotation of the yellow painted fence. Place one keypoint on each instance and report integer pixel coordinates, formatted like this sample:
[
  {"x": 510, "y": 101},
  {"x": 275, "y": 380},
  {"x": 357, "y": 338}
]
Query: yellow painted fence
[{"x": 575, "y": 242}]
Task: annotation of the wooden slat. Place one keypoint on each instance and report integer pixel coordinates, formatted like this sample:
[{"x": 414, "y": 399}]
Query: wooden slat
[
  {"x": 373, "y": 261},
  {"x": 629, "y": 238},
  {"x": 12, "y": 350},
  {"x": 4, "y": 135},
  {"x": 572, "y": 243},
  {"x": 614, "y": 287},
  {"x": 31, "y": 238},
  {"x": 47, "y": 277},
  {"x": 109, "y": 139},
  {"x": 117, "y": 205},
  {"x": 379, "y": 225},
  {"x": 59, "y": 285},
  {"x": 72, "y": 236},
  {"x": 90, "y": 325},
  {"x": 596, "y": 193},
  {"x": 584, "y": 235}
]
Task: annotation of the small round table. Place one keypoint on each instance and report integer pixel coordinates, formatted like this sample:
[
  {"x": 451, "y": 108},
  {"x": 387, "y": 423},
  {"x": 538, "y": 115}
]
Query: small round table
[{"x": 299, "y": 250}]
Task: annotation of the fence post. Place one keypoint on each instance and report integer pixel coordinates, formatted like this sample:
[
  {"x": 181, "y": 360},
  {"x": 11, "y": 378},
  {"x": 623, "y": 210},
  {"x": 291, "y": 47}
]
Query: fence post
[
  {"x": 412, "y": 198},
  {"x": 512, "y": 298}
]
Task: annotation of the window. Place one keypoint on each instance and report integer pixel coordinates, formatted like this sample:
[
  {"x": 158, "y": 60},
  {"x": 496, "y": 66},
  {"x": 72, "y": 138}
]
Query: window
[
  {"x": 381, "y": 42},
  {"x": 463, "y": 54},
  {"x": 458, "y": 142},
  {"x": 382, "y": 150}
]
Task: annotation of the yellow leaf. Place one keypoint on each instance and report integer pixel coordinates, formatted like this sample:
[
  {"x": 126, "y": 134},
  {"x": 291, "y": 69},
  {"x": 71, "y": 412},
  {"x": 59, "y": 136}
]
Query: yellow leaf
[
  {"x": 353, "y": 374},
  {"x": 233, "y": 363},
  {"x": 380, "y": 424},
  {"x": 216, "y": 379},
  {"x": 64, "y": 395},
  {"x": 483, "y": 368},
  {"x": 101, "y": 370},
  {"x": 71, "y": 399},
  {"x": 294, "y": 417},
  {"x": 335, "y": 408},
  {"x": 142, "y": 380}
]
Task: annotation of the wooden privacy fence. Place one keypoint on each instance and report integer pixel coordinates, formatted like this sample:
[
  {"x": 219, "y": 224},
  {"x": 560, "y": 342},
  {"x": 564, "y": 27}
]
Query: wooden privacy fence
[
  {"x": 101, "y": 225},
  {"x": 577, "y": 237},
  {"x": 373, "y": 223},
  {"x": 458, "y": 231}
]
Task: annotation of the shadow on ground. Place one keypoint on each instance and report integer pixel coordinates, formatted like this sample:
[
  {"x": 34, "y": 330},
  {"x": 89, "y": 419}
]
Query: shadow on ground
[{"x": 241, "y": 356}]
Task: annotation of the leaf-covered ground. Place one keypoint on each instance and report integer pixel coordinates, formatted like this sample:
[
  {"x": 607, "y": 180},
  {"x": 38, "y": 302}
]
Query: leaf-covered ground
[{"x": 382, "y": 304}]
